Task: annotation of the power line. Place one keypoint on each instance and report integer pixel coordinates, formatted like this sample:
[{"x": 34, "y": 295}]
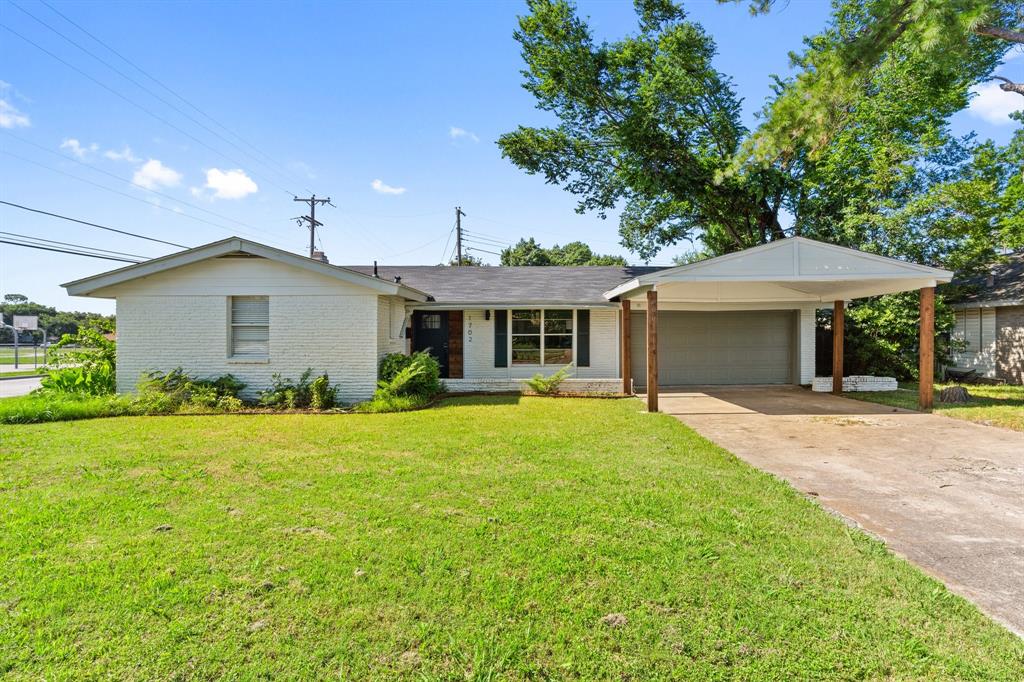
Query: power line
[
  {"x": 141, "y": 86},
  {"x": 85, "y": 222},
  {"x": 310, "y": 219},
  {"x": 165, "y": 87},
  {"x": 124, "y": 179},
  {"x": 230, "y": 230},
  {"x": 473, "y": 248},
  {"x": 135, "y": 104},
  {"x": 77, "y": 246},
  {"x": 69, "y": 251}
]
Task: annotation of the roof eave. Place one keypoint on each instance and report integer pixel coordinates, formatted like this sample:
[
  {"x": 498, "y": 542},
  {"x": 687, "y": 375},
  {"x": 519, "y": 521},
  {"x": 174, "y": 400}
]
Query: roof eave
[{"x": 89, "y": 285}]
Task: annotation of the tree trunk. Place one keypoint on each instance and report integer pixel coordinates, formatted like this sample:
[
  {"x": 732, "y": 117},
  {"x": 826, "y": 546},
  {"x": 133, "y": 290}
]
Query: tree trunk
[
  {"x": 1001, "y": 33},
  {"x": 1009, "y": 86}
]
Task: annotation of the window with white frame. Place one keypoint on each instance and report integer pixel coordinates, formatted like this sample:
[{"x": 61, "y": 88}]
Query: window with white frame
[
  {"x": 541, "y": 337},
  {"x": 250, "y": 327}
]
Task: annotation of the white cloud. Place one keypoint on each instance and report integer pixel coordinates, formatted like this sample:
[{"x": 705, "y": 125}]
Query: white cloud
[
  {"x": 456, "y": 133},
  {"x": 229, "y": 184},
  {"x": 994, "y": 105},
  {"x": 123, "y": 155},
  {"x": 379, "y": 187},
  {"x": 302, "y": 168},
  {"x": 76, "y": 148},
  {"x": 11, "y": 117},
  {"x": 154, "y": 174}
]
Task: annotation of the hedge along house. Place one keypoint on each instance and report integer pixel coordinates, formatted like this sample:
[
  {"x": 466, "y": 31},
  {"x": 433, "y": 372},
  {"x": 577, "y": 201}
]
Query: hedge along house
[{"x": 240, "y": 307}]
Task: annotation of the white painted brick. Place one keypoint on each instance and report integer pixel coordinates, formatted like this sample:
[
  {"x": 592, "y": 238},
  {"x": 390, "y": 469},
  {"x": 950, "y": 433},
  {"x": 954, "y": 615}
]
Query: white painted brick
[
  {"x": 856, "y": 382},
  {"x": 336, "y": 334}
]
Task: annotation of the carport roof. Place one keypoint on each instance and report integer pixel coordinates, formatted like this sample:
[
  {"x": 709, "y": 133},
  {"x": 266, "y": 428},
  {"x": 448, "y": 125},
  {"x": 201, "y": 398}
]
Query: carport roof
[{"x": 789, "y": 270}]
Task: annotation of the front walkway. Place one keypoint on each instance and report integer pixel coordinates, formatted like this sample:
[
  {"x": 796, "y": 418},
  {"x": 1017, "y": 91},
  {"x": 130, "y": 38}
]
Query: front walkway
[{"x": 946, "y": 494}]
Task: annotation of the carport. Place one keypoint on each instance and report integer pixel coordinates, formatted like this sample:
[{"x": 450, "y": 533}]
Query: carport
[{"x": 748, "y": 317}]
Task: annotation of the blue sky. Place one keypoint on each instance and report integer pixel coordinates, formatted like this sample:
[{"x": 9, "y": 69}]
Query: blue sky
[{"x": 391, "y": 109}]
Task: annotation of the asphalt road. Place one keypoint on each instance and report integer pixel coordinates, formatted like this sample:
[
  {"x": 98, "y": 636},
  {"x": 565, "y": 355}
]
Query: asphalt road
[{"x": 12, "y": 387}]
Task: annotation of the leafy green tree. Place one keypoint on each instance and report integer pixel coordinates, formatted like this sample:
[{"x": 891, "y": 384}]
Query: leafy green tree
[
  {"x": 467, "y": 259},
  {"x": 646, "y": 122},
  {"x": 529, "y": 252},
  {"x": 55, "y": 322},
  {"x": 956, "y": 42},
  {"x": 856, "y": 148}
]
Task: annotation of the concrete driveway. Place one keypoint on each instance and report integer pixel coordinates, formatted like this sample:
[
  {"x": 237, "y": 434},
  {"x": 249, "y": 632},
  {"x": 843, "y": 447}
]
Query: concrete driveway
[{"x": 944, "y": 493}]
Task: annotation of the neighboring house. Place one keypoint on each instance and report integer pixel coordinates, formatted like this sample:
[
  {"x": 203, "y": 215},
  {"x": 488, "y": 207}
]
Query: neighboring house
[
  {"x": 990, "y": 322},
  {"x": 239, "y": 307}
]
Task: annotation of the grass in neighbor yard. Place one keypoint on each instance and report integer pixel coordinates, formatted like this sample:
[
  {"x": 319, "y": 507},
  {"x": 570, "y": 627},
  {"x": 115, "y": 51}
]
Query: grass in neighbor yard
[
  {"x": 490, "y": 537},
  {"x": 992, "y": 405}
]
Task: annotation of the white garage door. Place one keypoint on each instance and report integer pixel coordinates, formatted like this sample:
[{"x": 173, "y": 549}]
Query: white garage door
[{"x": 743, "y": 347}]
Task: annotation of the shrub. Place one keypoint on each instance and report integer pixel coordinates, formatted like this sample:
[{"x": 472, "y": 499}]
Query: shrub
[
  {"x": 543, "y": 385},
  {"x": 424, "y": 380},
  {"x": 391, "y": 403},
  {"x": 322, "y": 396},
  {"x": 163, "y": 392},
  {"x": 317, "y": 394},
  {"x": 407, "y": 382},
  {"x": 50, "y": 406},
  {"x": 87, "y": 364},
  {"x": 95, "y": 379}
]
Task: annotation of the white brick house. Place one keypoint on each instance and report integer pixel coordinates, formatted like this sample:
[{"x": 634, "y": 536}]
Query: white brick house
[{"x": 239, "y": 307}]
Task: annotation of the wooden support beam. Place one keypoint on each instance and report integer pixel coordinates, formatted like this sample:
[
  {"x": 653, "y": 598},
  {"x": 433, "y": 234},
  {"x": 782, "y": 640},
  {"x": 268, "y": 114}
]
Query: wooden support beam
[
  {"x": 627, "y": 368},
  {"x": 926, "y": 368},
  {"x": 838, "y": 325},
  {"x": 652, "y": 351}
]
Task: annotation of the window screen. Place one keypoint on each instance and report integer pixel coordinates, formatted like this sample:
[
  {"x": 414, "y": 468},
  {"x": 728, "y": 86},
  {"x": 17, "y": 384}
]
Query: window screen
[{"x": 250, "y": 326}]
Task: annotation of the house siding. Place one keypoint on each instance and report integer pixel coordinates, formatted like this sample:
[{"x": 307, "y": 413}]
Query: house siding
[
  {"x": 180, "y": 319},
  {"x": 976, "y": 327},
  {"x": 478, "y": 352},
  {"x": 1010, "y": 344},
  {"x": 390, "y": 326}
]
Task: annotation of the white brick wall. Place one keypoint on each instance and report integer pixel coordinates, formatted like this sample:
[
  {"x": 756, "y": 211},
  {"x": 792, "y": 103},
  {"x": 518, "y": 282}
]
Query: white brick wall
[
  {"x": 390, "y": 326},
  {"x": 334, "y": 334}
]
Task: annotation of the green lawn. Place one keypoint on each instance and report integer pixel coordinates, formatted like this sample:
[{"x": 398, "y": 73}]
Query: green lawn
[
  {"x": 993, "y": 405},
  {"x": 22, "y": 373},
  {"x": 488, "y": 538}
]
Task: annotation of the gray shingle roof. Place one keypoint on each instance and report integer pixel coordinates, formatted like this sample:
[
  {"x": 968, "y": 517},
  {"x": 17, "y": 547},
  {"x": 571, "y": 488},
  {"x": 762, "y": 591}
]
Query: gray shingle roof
[
  {"x": 510, "y": 285},
  {"x": 1007, "y": 282}
]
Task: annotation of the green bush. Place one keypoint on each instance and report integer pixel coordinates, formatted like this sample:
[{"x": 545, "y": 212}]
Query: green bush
[
  {"x": 86, "y": 364},
  {"x": 49, "y": 406},
  {"x": 391, "y": 403},
  {"x": 549, "y": 385},
  {"x": 407, "y": 382},
  {"x": 94, "y": 379},
  {"x": 165, "y": 391},
  {"x": 424, "y": 380},
  {"x": 317, "y": 394}
]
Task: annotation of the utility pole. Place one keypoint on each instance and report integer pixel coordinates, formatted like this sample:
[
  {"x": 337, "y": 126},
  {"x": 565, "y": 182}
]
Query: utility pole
[
  {"x": 311, "y": 219},
  {"x": 458, "y": 234}
]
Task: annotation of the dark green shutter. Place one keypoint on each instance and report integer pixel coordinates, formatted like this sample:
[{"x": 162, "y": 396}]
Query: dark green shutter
[
  {"x": 501, "y": 338},
  {"x": 583, "y": 338}
]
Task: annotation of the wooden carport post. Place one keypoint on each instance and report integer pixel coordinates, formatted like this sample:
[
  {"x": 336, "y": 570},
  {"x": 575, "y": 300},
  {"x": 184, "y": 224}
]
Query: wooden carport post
[
  {"x": 838, "y": 324},
  {"x": 926, "y": 358},
  {"x": 627, "y": 369},
  {"x": 652, "y": 351}
]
